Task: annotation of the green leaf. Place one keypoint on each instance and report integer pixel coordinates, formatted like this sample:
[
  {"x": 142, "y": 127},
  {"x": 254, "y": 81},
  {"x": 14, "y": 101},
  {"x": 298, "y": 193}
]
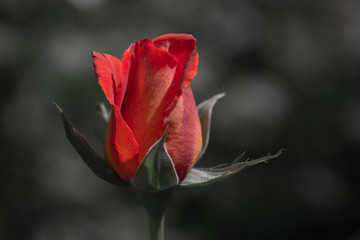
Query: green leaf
[
  {"x": 98, "y": 165},
  {"x": 157, "y": 171},
  {"x": 205, "y": 176},
  {"x": 205, "y": 110}
]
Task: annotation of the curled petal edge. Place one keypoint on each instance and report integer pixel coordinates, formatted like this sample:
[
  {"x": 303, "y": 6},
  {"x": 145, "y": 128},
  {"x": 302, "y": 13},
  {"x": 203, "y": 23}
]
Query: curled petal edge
[
  {"x": 157, "y": 171},
  {"x": 205, "y": 112},
  {"x": 204, "y": 176},
  {"x": 88, "y": 154}
]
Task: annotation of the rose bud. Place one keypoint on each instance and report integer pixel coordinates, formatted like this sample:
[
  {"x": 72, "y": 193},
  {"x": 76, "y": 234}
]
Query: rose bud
[{"x": 155, "y": 133}]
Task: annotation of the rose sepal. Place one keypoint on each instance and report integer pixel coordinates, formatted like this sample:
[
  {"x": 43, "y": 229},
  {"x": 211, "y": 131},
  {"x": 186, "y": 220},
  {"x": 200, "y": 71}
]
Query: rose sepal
[
  {"x": 205, "y": 176},
  {"x": 157, "y": 171},
  {"x": 88, "y": 154},
  {"x": 205, "y": 113}
]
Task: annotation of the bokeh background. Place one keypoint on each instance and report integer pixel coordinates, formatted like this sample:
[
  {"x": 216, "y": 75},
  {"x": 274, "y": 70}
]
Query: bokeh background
[{"x": 291, "y": 71}]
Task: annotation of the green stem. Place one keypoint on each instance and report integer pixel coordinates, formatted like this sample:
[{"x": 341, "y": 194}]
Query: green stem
[
  {"x": 156, "y": 205},
  {"x": 156, "y": 223}
]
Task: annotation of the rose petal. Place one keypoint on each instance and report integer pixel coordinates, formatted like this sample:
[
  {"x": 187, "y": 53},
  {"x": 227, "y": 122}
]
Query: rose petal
[
  {"x": 184, "y": 141},
  {"x": 107, "y": 71},
  {"x": 151, "y": 90},
  {"x": 112, "y": 74},
  {"x": 121, "y": 148},
  {"x": 182, "y": 46}
]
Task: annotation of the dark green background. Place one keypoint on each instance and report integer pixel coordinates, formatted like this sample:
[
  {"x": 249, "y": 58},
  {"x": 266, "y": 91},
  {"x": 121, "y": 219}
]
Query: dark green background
[{"x": 291, "y": 71}]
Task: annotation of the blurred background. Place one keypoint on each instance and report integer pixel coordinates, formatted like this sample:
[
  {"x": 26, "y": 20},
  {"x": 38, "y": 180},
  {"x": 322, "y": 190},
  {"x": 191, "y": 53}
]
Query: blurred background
[{"x": 291, "y": 72}]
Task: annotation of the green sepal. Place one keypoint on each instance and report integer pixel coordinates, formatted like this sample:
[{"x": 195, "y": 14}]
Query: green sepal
[
  {"x": 88, "y": 154},
  {"x": 157, "y": 171},
  {"x": 205, "y": 111},
  {"x": 205, "y": 176}
]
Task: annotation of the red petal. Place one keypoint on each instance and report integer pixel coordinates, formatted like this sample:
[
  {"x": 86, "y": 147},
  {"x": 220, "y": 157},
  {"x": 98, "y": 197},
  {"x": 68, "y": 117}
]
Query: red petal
[
  {"x": 112, "y": 74},
  {"x": 107, "y": 70},
  {"x": 151, "y": 90},
  {"x": 182, "y": 46},
  {"x": 184, "y": 140},
  {"x": 121, "y": 148}
]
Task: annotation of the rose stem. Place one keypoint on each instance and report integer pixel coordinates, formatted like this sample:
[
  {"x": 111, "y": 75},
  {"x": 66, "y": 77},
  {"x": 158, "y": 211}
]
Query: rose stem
[{"x": 156, "y": 205}]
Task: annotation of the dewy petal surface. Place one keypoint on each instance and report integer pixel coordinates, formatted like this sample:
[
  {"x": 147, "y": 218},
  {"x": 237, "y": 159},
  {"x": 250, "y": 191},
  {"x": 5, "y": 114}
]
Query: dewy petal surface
[
  {"x": 184, "y": 141},
  {"x": 150, "y": 92}
]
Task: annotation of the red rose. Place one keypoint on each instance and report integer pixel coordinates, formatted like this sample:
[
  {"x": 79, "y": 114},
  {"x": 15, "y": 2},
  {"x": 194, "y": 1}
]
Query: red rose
[
  {"x": 149, "y": 89},
  {"x": 156, "y": 133}
]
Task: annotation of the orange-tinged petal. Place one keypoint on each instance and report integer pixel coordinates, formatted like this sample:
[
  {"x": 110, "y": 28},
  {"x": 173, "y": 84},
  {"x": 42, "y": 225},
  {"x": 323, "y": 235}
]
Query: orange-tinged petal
[
  {"x": 121, "y": 148},
  {"x": 182, "y": 46},
  {"x": 151, "y": 90},
  {"x": 184, "y": 140},
  {"x": 107, "y": 71},
  {"x": 112, "y": 74}
]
